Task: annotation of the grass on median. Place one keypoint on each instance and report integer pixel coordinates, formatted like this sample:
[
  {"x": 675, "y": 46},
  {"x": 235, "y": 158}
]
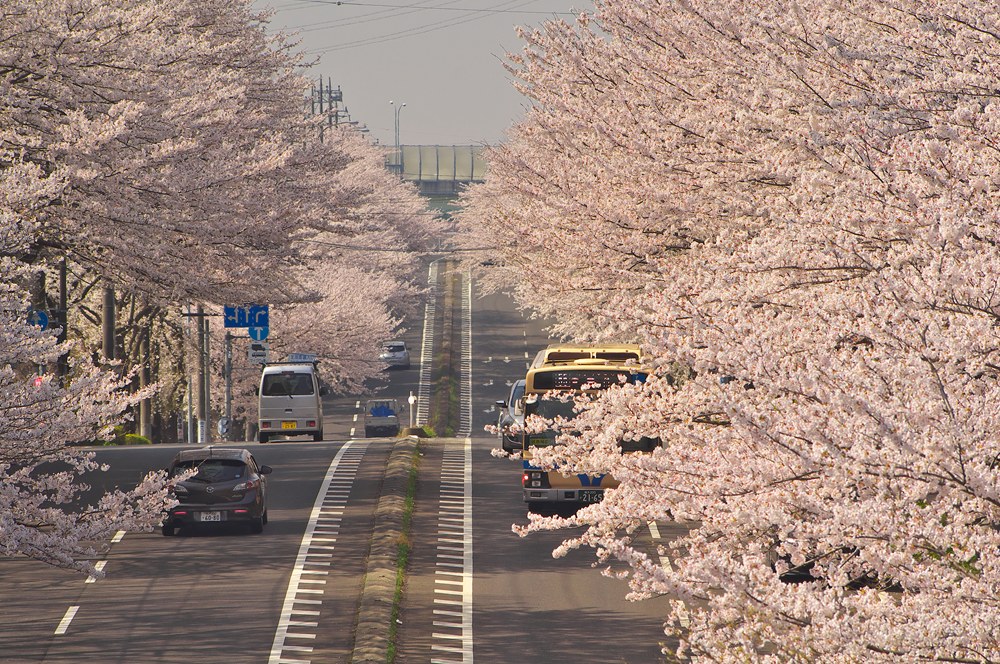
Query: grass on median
[{"x": 403, "y": 552}]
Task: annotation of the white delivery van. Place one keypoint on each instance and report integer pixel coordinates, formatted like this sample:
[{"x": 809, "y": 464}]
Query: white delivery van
[{"x": 290, "y": 401}]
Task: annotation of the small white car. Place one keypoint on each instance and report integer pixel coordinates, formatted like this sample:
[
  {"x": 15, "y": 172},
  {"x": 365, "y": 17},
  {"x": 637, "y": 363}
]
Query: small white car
[{"x": 394, "y": 354}]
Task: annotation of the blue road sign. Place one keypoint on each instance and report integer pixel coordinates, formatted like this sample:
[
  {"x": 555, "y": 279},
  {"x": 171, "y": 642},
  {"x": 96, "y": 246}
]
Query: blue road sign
[
  {"x": 258, "y": 333},
  {"x": 253, "y": 315},
  {"x": 39, "y": 318}
]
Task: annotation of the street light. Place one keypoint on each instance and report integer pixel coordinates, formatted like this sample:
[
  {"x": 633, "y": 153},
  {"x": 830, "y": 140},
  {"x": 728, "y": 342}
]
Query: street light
[{"x": 399, "y": 156}]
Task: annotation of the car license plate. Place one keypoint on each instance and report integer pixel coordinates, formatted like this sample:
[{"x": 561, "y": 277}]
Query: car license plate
[
  {"x": 210, "y": 516},
  {"x": 288, "y": 425},
  {"x": 590, "y": 496}
]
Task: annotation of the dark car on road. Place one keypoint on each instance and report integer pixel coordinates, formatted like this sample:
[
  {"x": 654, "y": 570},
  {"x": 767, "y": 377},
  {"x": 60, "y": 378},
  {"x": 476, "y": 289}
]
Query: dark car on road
[{"x": 225, "y": 486}]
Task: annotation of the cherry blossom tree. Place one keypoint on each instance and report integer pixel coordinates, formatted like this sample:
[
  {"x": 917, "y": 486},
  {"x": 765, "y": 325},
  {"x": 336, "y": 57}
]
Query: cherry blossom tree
[
  {"x": 793, "y": 205},
  {"x": 46, "y": 512},
  {"x": 161, "y": 149},
  {"x": 187, "y": 169}
]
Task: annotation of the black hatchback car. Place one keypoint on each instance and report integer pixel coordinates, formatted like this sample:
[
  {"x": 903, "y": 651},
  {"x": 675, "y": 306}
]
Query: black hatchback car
[{"x": 229, "y": 486}]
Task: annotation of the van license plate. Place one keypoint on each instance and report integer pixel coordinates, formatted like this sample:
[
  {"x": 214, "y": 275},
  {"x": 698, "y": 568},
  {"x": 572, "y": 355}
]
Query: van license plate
[
  {"x": 211, "y": 516},
  {"x": 590, "y": 496},
  {"x": 288, "y": 425}
]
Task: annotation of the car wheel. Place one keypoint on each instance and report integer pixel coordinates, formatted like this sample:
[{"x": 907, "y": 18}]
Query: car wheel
[
  {"x": 167, "y": 531},
  {"x": 368, "y": 432},
  {"x": 262, "y": 437},
  {"x": 318, "y": 436},
  {"x": 257, "y": 525},
  {"x": 264, "y": 517}
]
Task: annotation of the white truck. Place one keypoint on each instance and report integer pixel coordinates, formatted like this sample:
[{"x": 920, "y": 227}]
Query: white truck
[
  {"x": 290, "y": 401},
  {"x": 381, "y": 418}
]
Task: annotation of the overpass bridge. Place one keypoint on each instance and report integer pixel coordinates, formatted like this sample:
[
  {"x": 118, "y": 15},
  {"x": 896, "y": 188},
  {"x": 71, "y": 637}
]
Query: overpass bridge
[{"x": 439, "y": 171}]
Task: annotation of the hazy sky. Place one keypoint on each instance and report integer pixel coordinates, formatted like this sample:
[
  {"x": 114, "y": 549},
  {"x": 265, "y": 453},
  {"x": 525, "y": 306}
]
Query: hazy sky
[{"x": 441, "y": 57}]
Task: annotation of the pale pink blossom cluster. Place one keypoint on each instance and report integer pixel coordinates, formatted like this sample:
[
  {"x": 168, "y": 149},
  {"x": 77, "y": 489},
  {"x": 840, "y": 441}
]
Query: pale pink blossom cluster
[{"x": 793, "y": 206}]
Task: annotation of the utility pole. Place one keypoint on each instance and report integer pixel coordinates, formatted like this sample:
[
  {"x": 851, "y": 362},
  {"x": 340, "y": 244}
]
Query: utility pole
[
  {"x": 202, "y": 412},
  {"x": 108, "y": 324},
  {"x": 228, "y": 370},
  {"x": 207, "y": 377},
  {"x": 145, "y": 425},
  {"x": 62, "y": 364},
  {"x": 190, "y": 385}
]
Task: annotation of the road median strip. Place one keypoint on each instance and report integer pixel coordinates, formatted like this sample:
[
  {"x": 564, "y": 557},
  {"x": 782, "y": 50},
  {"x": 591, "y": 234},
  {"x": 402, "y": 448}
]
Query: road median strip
[{"x": 380, "y": 593}]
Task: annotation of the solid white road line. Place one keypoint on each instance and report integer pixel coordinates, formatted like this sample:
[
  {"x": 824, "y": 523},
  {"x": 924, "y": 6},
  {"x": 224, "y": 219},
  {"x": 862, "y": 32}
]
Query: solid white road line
[{"x": 310, "y": 555}]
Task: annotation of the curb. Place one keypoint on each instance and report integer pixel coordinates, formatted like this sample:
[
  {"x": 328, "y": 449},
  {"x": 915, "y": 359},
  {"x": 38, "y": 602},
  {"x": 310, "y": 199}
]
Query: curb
[{"x": 371, "y": 635}]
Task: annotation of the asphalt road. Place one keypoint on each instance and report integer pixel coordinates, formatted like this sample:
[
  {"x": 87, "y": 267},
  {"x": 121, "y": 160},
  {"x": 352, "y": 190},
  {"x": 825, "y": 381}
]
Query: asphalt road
[
  {"x": 474, "y": 589},
  {"x": 498, "y": 597},
  {"x": 209, "y": 596}
]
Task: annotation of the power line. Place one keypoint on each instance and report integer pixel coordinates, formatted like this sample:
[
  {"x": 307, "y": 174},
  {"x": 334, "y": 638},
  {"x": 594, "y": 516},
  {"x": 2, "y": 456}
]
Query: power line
[
  {"x": 438, "y": 7},
  {"x": 419, "y": 30}
]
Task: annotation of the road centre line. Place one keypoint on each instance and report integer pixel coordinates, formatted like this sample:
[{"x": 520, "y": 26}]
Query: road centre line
[
  {"x": 99, "y": 566},
  {"x": 653, "y": 529},
  {"x": 67, "y": 619}
]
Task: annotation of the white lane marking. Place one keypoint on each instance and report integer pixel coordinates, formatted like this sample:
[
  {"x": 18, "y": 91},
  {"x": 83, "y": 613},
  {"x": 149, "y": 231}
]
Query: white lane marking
[
  {"x": 67, "y": 619},
  {"x": 454, "y": 588},
  {"x": 427, "y": 347},
  {"x": 653, "y": 529},
  {"x": 465, "y": 417},
  {"x": 118, "y": 537},
  {"x": 685, "y": 618},
  {"x": 309, "y": 551},
  {"x": 99, "y": 566}
]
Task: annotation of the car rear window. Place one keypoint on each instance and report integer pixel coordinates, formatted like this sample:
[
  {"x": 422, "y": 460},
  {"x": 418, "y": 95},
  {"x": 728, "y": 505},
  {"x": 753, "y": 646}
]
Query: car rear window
[
  {"x": 212, "y": 470},
  {"x": 287, "y": 383},
  {"x": 394, "y": 348}
]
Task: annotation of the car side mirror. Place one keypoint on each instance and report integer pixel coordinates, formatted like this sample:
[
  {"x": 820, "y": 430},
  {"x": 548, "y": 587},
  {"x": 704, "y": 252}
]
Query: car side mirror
[
  {"x": 265, "y": 470},
  {"x": 501, "y": 404},
  {"x": 324, "y": 391},
  {"x": 256, "y": 389}
]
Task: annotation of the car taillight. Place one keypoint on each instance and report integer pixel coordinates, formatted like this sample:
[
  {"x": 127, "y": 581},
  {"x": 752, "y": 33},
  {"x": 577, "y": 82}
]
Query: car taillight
[
  {"x": 310, "y": 423},
  {"x": 265, "y": 425},
  {"x": 246, "y": 486}
]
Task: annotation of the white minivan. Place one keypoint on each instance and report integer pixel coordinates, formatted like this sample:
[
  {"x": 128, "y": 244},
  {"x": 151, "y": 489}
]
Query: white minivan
[{"x": 291, "y": 401}]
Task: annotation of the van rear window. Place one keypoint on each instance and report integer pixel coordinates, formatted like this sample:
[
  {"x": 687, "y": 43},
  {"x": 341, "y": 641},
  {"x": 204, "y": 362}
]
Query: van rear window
[{"x": 287, "y": 384}]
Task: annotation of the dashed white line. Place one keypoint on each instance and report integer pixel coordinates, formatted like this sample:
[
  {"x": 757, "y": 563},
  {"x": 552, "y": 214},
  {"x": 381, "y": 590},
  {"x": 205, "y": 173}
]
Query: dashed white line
[
  {"x": 67, "y": 619},
  {"x": 99, "y": 566}
]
